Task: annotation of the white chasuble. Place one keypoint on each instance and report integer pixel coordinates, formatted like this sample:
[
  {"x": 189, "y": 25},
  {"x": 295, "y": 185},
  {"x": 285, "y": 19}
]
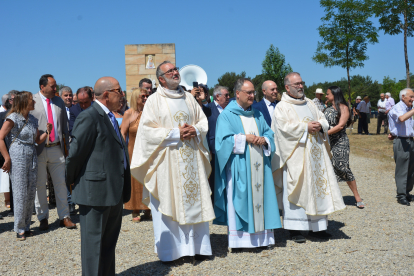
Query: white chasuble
[
  {"x": 302, "y": 170},
  {"x": 257, "y": 173},
  {"x": 187, "y": 162}
]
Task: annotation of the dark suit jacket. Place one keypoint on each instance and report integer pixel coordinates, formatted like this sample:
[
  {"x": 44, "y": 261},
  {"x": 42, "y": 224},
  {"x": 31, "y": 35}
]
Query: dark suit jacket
[
  {"x": 261, "y": 106},
  {"x": 212, "y": 120},
  {"x": 61, "y": 120},
  {"x": 95, "y": 163},
  {"x": 74, "y": 111}
]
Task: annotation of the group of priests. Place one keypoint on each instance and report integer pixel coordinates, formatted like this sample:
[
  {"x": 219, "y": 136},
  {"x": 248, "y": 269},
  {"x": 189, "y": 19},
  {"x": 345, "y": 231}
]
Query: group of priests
[{"x": 265, "y": 158}]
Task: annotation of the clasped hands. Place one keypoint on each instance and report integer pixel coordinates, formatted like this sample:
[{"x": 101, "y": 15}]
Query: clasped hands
[
  {"x": 314, "y": 127},
  {"x": 187, "y": 132},
  {"x": 256, "y": 140}
]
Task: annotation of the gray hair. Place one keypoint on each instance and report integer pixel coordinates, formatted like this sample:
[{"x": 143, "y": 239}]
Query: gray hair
[
  {"x": 382, "y": 94},
  {"x": 404, "y": 92},
  {"x": 12, "y": 92},
  {"x": 217, "y": 90},
  {"x": 64, "y": 88},
  {"x": 5, "y": 98},
  {"x": 159, "y": 71},
  {"x": 287, "y": 81},
  {"x": 239, "y": 83},
  {"x": 388, "y": 94}
]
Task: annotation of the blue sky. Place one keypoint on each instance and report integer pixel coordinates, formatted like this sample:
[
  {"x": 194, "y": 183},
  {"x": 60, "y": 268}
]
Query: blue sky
[{"x": 81, "y": 41}]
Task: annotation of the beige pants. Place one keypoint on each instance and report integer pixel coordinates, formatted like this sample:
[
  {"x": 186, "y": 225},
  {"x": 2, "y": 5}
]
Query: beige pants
[{"x": 54, "y": 160}]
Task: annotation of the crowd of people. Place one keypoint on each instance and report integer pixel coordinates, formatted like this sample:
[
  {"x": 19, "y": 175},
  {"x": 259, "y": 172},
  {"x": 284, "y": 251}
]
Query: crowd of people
[{"x": 182, "y": 160}]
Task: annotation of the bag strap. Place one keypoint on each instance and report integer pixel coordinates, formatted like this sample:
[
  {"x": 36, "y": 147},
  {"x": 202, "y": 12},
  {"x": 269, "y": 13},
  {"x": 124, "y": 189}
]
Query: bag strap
[{"x": 18, "y": 134}]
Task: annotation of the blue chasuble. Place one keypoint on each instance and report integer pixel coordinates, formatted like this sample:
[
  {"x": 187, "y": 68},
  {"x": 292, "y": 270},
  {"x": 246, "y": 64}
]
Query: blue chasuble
[{"x": 229, "y": 124}]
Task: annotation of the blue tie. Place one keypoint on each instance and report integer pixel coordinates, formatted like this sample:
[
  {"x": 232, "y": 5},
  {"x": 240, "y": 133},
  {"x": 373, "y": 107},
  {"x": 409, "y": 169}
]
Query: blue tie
[
  {"x": 273, "y": 104},
  {"x": 116, "y": 127}
]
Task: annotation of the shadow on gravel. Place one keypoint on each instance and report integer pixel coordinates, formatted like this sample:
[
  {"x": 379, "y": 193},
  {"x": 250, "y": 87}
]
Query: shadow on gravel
[
  {"x": 334, "y": 229},
  {"x": 349, "y": 200},
  {"x": 151, "y": 268},
  {"x": 6, "y": 226}
]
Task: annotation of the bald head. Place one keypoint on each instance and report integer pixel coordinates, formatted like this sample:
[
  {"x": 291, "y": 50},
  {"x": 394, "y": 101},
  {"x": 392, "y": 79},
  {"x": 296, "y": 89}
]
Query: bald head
[
  {"x": 269, "y": 89},
  {"x": 104, "y": 84}
]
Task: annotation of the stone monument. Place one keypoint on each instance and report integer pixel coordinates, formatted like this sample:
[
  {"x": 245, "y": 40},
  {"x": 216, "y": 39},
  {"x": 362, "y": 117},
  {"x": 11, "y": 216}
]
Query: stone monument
[{"x": 141, "y": 61}]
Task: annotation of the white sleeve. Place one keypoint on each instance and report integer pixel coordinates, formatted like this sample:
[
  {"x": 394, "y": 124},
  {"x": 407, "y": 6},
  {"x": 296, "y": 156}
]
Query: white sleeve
[
  {"x": 267, "y": 150},
  {"x": 239, "y": 143},
  {"x": 172, "y": 138},
  {"x": 304, "y": 137},
  {"x": 198, "y": 136}
]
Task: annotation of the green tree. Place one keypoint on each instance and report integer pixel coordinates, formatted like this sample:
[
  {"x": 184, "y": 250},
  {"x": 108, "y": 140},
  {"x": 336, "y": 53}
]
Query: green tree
[
  {"x": 395, "y": 17},
  {"x": 274, "y": 67},
  {"x": 257, "y": 82},
  {"x": 346, "y": 32},
  {"x": 229, "y": 79}
]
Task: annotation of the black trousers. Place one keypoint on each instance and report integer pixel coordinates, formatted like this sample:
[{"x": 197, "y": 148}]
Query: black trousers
[
  {"x": 211, "y": 178},
  {"x": 100, "y": 226},
  {"x": 382, "y": 117},
  {"x": 363, "y": 123},
  {"x": 404, "y": 166}
]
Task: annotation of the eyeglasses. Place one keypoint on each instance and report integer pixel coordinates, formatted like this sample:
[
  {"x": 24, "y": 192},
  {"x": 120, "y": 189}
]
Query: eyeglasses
[
  {"x": 225, "y": 95},
  {"x": 297, "y": 84},
  {"x": 144, "y": 96},
  {"x": 171, "y": 70},
  {"x": 115, "y": 90},
  {"x": 250, "y": 93},
  {"x": 11, "y": 99}
]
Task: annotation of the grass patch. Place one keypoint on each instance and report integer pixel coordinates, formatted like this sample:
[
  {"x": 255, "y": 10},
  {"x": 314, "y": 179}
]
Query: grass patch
[{"x": 371, "y": 146}]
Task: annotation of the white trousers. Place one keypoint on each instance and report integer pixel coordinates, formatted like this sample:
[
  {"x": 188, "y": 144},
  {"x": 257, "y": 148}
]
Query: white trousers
[
  {"x": 54, "y": 160},
  {"x": 173, "y": 241},
  {"x": 295, "y": 218}
]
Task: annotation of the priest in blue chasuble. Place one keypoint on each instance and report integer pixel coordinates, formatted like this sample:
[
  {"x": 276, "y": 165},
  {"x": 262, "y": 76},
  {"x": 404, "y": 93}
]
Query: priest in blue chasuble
[{"x": 245, "y": 197}]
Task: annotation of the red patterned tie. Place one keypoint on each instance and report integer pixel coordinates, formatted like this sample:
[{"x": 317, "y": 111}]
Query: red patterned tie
[{"x": 50, "y": 120}]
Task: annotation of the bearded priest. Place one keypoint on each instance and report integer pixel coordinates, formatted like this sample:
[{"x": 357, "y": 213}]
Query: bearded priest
[
  {"x": 244, "y": 196},
  {"x": 304, "y": 177},
  {"x": 172, "y": 162}
]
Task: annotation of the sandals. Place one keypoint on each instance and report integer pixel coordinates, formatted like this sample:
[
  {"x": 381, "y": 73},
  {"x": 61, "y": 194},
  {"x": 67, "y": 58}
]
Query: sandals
[
  {"x": 136, "y": 217},
  {"x": 28, "y": 234},
  {"x": 20, "y": 237},
  {"x": 360, "y": 205}
]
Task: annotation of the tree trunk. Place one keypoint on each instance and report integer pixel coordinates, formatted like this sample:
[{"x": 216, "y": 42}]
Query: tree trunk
[
  {"x": 347, "y": 70},
  {"x": 407, "y": 65}
]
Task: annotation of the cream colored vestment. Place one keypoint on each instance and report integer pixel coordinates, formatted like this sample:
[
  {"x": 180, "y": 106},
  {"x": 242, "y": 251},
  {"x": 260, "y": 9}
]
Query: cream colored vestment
[
  {"x": 177, "y": 176},
  {"x": 311, "y": 181}
]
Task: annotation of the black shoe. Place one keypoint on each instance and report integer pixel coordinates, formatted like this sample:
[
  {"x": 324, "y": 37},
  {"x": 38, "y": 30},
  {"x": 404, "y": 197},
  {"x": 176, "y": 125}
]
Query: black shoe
[
  {"x": 10, "y": 214},
  {"x": 1, "y": 217},
  {"x": 296, "y": 236},
  {"x": 403, "y": 201},
  {"x": 201, "y": 257},
  {"x": 320, "y": 235},
  {"x": 72, "y": 209},
  {"x": 409, "y": 198}
]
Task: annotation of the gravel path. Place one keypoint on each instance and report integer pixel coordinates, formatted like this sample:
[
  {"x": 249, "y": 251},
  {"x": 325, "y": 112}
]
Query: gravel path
[{"x": 375, "y": 241}]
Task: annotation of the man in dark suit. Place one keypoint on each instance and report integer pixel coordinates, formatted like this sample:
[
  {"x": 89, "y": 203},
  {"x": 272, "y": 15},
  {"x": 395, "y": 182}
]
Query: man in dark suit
[
  {"x": 85, "y": 100},
  {"x": 268, "y": 103},
  {"x": 221, "y": 100},
  {"x": 101, "y": 184}
]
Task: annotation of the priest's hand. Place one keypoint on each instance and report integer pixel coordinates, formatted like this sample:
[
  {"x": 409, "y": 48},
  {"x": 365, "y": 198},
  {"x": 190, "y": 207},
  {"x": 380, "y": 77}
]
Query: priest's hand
[
  {"x": 253, "y": 139},
  {"x": 187, "y": 132},
  {"x": 261, "y": 141},
  {"x": 313, "y": 127}
]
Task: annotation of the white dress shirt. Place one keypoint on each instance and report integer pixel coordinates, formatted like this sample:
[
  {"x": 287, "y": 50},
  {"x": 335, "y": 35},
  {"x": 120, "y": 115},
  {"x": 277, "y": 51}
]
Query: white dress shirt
[
  {"x": 381, "y": 105},
  {"x": 220, "y": 109},
  {"x": 52, "y": 105},
  {"x": 67, "y": 112},
  {"x": 270, "y": 107}
]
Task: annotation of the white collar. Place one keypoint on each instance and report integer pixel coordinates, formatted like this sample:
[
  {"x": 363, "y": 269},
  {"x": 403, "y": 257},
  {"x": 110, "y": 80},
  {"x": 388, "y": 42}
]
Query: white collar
[
  {"x": 218, "y": 106},
  {"x": 103, "y": 106}
]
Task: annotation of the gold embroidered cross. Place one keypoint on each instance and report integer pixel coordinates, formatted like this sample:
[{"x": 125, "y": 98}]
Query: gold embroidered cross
[
  {"x": 257, "y": 186},
  {"x": 258, "y": 207},
  {"x": 257, "y": 165}
]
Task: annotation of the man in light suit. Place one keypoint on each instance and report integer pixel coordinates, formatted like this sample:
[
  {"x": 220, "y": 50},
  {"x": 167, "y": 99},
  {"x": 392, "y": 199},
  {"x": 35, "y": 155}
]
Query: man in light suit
[
  {"x": 101, "y": 184},
  {"x": 51, "y": 153},
  {"x": 221, "y": 100},
  {"x": 268, "y": 103}
]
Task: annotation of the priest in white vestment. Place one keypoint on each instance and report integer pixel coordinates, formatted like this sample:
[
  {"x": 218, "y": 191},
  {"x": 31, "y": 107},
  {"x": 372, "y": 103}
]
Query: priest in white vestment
[
  {"x": 245, "y": 196},
  {"x": 303, "y": 174},
  {"x": 172, "y": 162}
]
